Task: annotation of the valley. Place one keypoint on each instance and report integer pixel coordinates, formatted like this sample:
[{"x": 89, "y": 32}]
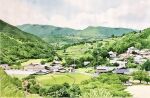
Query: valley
[{"x": 102, "y": 66}]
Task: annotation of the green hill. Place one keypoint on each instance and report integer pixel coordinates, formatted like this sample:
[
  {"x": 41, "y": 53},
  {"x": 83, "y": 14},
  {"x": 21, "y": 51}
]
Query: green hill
[
  {"x": 16, "y": 44},
  {"x": 8, "y": 88},
  {"x": 63, "y": 36},
  {"x": 139, "y": 40}
]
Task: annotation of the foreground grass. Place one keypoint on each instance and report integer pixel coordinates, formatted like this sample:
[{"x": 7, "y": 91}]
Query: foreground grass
[
  {"x": 71, "y": 78},
  {"x": 7, "y": 87}
]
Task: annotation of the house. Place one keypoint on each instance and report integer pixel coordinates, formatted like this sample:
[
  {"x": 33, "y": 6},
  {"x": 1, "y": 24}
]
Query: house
[
  {"x": 133, "y": 50},
  {"x": 56, "y": 63},
  {"x": 104, "y": 69},
  {"x": 41, "y": 72},
  {"x": 112, "y": 54},
  {"x": 5, "y": 66},
  {"x": 35, "y": 67},
  {"x": 86, "y": 63},
  {"x": 121, "y": 71},
  {"x": 138, "y": 59},
  {"x": 120, "y": 63},
  {"x": 58, "y": 68},
  {"x": 71, "y": 69}
]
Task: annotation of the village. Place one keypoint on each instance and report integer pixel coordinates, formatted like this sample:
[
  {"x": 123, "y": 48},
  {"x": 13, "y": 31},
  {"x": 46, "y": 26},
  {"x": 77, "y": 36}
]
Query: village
[{"x": 119, "y": 61}]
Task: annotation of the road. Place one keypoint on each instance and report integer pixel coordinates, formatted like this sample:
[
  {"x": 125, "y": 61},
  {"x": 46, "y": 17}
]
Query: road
[
  {"x": 21, "y": 72},
  {"x": 139, "y": 91}
]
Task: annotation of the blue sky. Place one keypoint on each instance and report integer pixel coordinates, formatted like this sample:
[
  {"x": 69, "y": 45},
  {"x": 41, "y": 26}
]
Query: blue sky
[{"x": 77, "y": 14}]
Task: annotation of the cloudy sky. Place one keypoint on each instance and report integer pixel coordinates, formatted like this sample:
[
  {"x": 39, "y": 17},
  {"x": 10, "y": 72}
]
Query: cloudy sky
[{"x": 77, "y": 14}]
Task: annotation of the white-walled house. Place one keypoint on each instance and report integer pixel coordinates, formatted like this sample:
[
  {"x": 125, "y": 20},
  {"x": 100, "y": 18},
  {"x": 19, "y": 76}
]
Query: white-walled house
[
  {"x": 112, "y": 54},
  {"x": 139, "y": 59}
]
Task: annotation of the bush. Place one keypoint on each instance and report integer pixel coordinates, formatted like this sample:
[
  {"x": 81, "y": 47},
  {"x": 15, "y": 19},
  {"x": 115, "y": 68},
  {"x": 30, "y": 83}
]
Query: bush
[
  {"x": 43, "y": 62},
  {"x": 34, "y": 89}
]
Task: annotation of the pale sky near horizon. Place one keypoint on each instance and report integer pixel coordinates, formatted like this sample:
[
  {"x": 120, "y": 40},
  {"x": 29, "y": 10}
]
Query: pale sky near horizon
[{"x": 77, "y": 14}]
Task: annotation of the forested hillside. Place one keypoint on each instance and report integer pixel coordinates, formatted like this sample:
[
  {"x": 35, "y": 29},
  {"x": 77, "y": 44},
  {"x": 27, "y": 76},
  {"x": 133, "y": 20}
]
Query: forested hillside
[
  {"x": 63, "y": 36},
  {"x": 97, "y": 51},
  {"x": 139, "y": 40},
  {"x": 10, "y": 87},
  {"x": 16, "y": 44}
]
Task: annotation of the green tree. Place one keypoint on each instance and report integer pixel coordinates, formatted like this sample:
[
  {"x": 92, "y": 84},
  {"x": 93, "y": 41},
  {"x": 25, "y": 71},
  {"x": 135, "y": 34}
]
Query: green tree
[
  {"x": 43, "y": 62},
  {"x": 74, "y": 91},
  {"x": 147, "y": 79},
  {"x": 139, "y": 75},
  {"x": 146, "y": 65}
]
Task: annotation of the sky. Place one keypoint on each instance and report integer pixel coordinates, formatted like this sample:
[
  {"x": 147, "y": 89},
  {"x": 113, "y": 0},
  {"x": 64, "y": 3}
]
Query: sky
[{"x": 77, "y": 14}]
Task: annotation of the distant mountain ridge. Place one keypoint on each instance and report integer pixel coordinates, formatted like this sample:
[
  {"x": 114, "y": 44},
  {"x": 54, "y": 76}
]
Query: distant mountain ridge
[{"x": 61, "y": 35}]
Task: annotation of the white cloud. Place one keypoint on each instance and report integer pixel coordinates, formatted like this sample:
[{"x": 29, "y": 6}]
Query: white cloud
[
  {"x": 78, "y": 13},
  {"x": 17, "y": 12}
]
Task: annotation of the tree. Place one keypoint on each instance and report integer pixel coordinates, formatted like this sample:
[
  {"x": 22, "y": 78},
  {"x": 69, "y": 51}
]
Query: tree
[
  {"x": 147, "y": 79},
  {"x": 139, "y": 75},
  {"x": 43, "y": 62},
  {"x": 42, "y": 91},
  {"x": 146, "y": 65},
  {"x": 34, "y": 89},
  {"x": 74, "y": 91}
]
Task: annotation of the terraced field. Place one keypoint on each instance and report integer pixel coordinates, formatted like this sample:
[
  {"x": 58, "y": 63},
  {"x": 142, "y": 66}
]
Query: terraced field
[{"x": 71, "y": 78}]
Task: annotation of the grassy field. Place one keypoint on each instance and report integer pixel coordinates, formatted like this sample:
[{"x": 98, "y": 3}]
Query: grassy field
[
  {"x": 71, "y": 78},
  {"x": 19, "y": 76},
  {"x": 86, "y": 70},
  {"x": 31, "y": 61}
]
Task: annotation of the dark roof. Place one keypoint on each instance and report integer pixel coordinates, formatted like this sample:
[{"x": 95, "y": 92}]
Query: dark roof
[{"x": 121, "y": 71}]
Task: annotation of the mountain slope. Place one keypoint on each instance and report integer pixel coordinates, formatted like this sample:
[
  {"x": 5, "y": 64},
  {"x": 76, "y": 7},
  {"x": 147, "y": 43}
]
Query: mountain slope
[
  {"x": 139, "y": 40},
  {"x": 60, "y": 35},
  {"x": 7, "y": 87},
  {"x": 16, "y": 44}
]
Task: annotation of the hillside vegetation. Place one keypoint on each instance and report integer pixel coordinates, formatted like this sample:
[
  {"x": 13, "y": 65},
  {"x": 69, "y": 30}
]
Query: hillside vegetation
[
  {"x": 16, "y": 44},
  {"x": 139, "y": 40},
  {"x": 63, "y": 36},
  {"x": 97, "y": 52},
  {"x": 8, "y": 87}
]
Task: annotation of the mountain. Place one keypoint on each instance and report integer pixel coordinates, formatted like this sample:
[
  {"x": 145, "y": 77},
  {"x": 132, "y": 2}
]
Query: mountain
[
  {"x": 8, "y": 87},
  {"x": 17, "y": 44},
  {"x": 63, "y": 36}
]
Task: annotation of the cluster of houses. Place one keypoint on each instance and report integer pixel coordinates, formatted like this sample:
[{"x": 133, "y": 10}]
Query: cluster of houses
[
  {"x": 139, "y": 57},
  {"x": 56, "y": 66},
  {"x": 120, "y": 61}
]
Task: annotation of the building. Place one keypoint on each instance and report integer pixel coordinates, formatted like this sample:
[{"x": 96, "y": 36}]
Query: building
[
  {"x": 35, "y": 67},
  {"x": 112, "y": 54},
  {"x": 138, "y": 59},
  {"x": 42, "y": 72},
  {"x": 133, "y": 50},
  {"x": 86, "y": 63},
  {"x": 5, "y": 66},
  {"x": 58, "y": 68},
  {"x": 120, "y": 63},
  {"x": 104, "y": 69},
  {"x": 121, "y": 71}
]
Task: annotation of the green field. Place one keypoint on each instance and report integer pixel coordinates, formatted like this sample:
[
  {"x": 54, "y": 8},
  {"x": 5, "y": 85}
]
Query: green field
[{"x": 71, "y": 78}]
